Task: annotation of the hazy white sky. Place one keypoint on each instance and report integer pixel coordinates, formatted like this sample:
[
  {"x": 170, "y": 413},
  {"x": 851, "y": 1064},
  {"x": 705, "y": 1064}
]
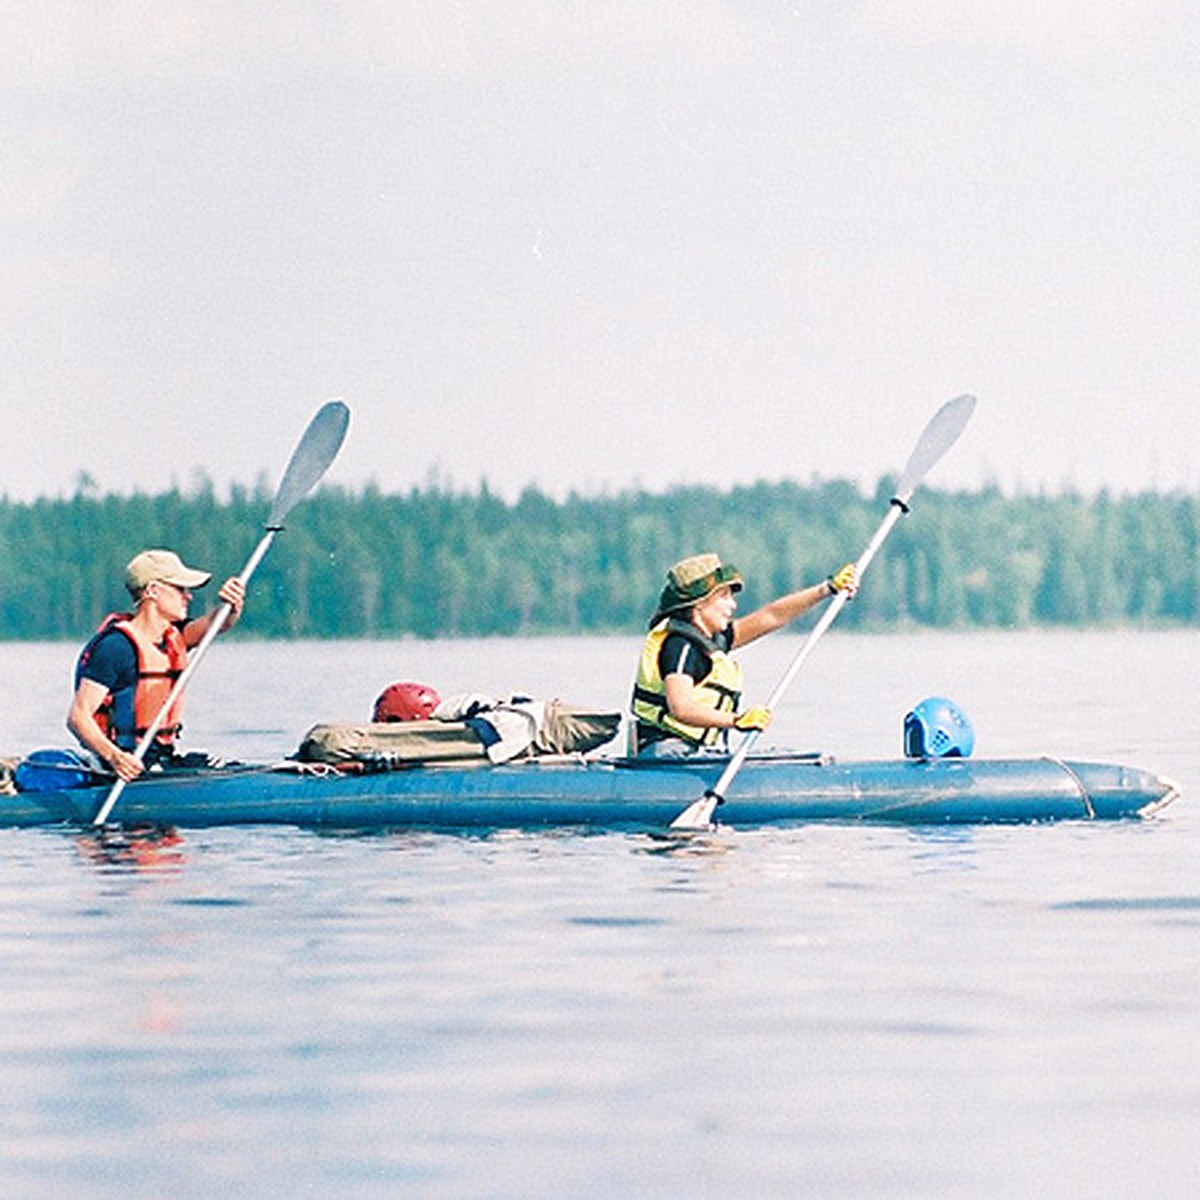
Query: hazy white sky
[{"x": 596, "y": 244}]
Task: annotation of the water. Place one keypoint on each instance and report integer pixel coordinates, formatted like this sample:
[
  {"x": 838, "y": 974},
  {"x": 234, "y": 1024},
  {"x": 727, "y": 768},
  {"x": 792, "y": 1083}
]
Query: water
[{"x": 817, "y": 1011}]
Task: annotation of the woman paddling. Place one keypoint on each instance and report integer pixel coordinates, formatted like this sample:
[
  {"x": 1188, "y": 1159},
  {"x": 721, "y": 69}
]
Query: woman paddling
[{"x": 689, "y": 685}]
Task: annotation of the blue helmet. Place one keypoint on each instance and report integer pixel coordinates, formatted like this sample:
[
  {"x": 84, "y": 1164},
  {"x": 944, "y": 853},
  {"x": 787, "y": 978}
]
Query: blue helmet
[{"x": 938, "y": 728}]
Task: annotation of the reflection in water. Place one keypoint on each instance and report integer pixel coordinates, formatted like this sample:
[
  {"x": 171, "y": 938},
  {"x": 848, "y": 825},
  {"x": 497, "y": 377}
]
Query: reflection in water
[
  {"x": 944, "y": 847},
  {"x": 827, "y": 1009},
  {"x": 1131, "y": 904},
  {"x": 133, "y": 848}
]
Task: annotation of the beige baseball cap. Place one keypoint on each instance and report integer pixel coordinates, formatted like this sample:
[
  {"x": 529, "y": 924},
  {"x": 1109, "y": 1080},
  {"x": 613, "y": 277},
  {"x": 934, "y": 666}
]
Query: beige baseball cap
[{"x": 162, "y": 566}]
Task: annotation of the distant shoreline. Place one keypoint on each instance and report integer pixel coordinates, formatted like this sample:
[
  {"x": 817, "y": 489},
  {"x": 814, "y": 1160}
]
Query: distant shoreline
[{"x": 440, "y": 564}]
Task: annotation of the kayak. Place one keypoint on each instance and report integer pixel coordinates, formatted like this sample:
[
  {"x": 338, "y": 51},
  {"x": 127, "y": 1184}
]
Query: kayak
[{"x": 611, "y": 793}]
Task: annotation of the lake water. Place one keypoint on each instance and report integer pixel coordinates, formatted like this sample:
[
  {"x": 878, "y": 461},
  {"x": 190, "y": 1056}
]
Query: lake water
[{"x": 826, "y": 1011}]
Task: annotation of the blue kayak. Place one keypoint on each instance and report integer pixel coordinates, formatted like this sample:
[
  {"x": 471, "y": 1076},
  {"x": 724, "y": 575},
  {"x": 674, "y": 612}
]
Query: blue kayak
[{"x": 613, "y": 793}]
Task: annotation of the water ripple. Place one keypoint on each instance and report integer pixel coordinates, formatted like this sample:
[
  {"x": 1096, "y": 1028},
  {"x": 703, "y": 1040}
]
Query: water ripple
[{"x": 1130, "y": 904}]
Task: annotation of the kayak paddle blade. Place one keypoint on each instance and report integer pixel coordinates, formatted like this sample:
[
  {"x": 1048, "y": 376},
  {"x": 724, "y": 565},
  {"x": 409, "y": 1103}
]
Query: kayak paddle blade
[
  {"x": 311, "y": 459},
  {"x": 944, "y": 429},
  {"x": 698, "y": 816}
]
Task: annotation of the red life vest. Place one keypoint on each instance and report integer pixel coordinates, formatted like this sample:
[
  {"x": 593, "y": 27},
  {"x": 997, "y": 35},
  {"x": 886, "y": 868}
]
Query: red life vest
[{"x": 159, "y": 665}]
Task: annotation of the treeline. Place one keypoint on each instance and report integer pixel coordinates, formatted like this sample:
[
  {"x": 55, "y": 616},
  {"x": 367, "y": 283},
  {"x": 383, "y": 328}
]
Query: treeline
[{"x": 438, "y": 563}]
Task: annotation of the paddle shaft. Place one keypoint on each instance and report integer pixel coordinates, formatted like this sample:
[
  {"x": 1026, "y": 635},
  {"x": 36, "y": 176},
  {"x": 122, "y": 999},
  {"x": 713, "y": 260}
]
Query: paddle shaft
[
  {"x": 942, "y": 431},
  {"x": 717, "y": 793},
  {"x": 310, "y": 460},
  {"x": 194, "y": 656}
]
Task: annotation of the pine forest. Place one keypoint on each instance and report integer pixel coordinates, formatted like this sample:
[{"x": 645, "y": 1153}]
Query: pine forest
[{"x": 436, "y": 562}]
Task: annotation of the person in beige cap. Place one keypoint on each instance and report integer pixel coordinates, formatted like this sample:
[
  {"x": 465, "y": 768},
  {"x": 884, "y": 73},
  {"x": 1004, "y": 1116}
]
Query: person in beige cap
[
  {"x": 689, "y": 686},
  {"x": 127, "y": 669}
]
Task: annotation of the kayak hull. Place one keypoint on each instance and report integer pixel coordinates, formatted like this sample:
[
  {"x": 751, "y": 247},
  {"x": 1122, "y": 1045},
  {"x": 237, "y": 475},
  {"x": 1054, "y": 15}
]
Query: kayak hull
[{"x": 616, "y": 794}]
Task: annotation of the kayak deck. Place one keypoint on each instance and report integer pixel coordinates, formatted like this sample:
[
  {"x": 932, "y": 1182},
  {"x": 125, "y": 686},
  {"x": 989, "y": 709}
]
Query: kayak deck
[{"x": 616, "y": 793}]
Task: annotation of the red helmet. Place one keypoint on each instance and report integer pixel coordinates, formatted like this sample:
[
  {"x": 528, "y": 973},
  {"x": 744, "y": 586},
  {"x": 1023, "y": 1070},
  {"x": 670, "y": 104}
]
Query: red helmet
[{"x": 406, "y": 702}]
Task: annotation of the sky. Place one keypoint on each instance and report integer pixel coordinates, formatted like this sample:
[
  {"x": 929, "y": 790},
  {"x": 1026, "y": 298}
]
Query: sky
[{"x": 593, "y": 246}]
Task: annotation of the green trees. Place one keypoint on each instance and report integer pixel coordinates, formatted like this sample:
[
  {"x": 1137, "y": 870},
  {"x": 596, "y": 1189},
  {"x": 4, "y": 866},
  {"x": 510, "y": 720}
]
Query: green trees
[{"x": 437, "y": 563}]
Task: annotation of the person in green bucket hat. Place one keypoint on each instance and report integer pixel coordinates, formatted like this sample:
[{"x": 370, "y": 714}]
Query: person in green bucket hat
[{"x": 689, "y": 686}]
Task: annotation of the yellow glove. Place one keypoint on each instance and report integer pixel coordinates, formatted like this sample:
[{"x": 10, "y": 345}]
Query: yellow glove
[
  {"x": 753, "y": 718},
  {"x": 845, "y": 580}
]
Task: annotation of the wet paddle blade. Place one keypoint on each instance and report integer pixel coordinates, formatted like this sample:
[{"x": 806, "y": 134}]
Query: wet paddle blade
[{"x": 698, "y": 816}]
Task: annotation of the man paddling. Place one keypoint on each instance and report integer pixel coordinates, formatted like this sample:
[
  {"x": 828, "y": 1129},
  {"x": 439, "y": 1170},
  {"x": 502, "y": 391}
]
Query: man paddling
[
  {"x": 127, "y": 669},
  {"x": 689, "y": 685}
]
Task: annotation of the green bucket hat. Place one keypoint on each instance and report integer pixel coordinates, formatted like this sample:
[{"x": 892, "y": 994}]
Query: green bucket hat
[{"x": 694, "y": 579}]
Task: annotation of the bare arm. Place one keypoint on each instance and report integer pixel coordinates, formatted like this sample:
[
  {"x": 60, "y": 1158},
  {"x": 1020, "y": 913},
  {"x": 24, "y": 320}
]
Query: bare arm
[
  {"x": 778, "y": 613},
  {"x": 684, "y": 707},
  {"x": 233, "y": 593},
  {"x": 81, "y": 721}
]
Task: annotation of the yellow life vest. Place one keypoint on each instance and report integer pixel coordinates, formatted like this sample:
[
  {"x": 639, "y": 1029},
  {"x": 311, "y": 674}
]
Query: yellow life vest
[{"x": 720, "y": 689}]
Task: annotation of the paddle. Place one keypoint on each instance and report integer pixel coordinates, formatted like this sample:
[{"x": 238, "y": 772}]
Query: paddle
[
  {"x": 938, "y": 436},
  {"x": 310, "y": 460}
]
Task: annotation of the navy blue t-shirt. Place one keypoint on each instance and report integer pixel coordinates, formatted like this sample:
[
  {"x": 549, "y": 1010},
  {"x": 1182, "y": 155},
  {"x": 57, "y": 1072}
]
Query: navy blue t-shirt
[{"x": 111, "y": 661}]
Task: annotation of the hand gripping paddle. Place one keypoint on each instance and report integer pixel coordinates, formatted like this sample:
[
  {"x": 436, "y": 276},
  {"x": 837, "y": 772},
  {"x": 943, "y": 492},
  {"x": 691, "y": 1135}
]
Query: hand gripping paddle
[
  {"x": 938, "y": 436},
  {"x": 310, "y": 460}
]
